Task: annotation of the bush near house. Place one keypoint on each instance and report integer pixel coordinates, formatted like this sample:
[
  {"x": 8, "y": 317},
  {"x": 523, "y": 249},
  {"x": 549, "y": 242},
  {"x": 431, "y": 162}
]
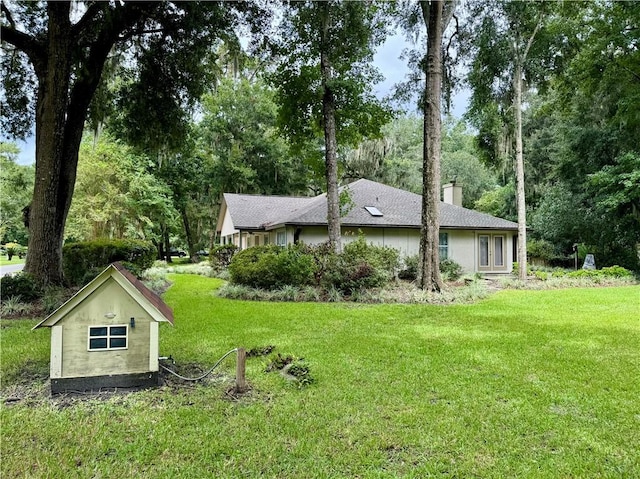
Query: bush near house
[
  {"x": 607, "y": 272},
  {"x": 271, "y": 267},
  {"x": 221, "y": 255},
  {"x": 451, "y": 271},
  {"x": 361, "y": 265},
  {"x": 83, "y": 261}
]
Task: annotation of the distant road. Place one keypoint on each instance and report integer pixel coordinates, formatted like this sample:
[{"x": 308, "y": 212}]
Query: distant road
[{"x": 10, "y": 268}]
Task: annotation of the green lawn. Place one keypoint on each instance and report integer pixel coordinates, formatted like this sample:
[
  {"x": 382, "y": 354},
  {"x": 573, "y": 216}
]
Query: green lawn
[
  {"x": 524, "y": 384},
  {"x": 14, "y": 260}
]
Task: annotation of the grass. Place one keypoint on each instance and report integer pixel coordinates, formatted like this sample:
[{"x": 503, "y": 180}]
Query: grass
[
  {"x": 522, "y": 384},
  {"x": 4, "y": 261}
]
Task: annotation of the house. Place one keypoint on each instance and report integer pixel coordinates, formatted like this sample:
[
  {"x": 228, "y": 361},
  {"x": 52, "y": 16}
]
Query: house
[
  {"x": 107, "y": 334},
  {"x": 387, "y": 216}
]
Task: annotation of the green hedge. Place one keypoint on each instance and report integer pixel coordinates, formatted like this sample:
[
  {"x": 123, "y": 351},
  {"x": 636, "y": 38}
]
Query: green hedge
[
  {"x": 85, "y": 260},
  {"x": 20, "y": 285},
  {"x": 607, "y": 272},
  {"x": 361, "y": 265},
  {"x": 271, "y": 267}
]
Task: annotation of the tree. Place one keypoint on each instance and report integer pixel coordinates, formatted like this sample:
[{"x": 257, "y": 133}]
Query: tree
[
  {"x": 66, "y": 50},
  {"x": 430, "y": 67},
  {"x": 16, "y": 184},
  {"x": 429, "y": 257},
  {"x": 396, "y": 158},
  {"x": 116, "y": 196},
  {"x": 582, "y": 136},
  {"x": 324, "y": 81},
  {"x": 239, "y": 129},
  {"x": 508, "y": 43}
]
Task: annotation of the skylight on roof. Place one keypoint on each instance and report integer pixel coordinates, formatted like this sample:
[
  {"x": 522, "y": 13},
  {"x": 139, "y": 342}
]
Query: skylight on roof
[{"x": 373, "y": 211}]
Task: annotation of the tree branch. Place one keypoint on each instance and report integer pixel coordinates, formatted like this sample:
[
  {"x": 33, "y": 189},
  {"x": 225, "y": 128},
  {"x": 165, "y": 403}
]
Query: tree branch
[
  {"x": 7, "y": 13},
  {"x": 23, "y": 42},
  {"x": 531, "y": 38},
  {"x": 88, "y": 17}
]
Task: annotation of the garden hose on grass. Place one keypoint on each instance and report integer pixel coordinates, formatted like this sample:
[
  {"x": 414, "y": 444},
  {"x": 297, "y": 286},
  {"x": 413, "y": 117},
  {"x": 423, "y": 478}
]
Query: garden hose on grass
[{"x": 203, "y": 375}]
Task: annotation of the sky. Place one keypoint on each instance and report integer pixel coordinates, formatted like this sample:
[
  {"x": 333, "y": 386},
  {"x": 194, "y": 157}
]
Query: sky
[
  {"x": 387, "y": 59},
  {"x": 395, "y": 70}
]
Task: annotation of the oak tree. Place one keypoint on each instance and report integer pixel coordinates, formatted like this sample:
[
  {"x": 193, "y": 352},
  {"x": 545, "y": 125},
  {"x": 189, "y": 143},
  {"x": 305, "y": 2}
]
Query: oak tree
[{"x": 55, "y": 54}]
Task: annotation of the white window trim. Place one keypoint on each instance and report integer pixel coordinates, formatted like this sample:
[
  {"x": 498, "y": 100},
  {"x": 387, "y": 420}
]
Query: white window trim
[
  {"x": 443, "y": 247},
  {"x": 107, "y": 336}
]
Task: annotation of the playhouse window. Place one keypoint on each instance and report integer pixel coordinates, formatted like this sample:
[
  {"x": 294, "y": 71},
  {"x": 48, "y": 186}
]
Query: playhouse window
[{"x": 107, "y": 337}]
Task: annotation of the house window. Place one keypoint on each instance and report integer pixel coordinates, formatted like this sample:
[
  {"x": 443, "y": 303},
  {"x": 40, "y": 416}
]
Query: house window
[
  {"x": 444, "y": 246},
  {"x": 256, "y": 241},
  {"x": 281, "y": 239},
  {"x": 266, "y": 239},
  {"x": 107, "y": 337}
]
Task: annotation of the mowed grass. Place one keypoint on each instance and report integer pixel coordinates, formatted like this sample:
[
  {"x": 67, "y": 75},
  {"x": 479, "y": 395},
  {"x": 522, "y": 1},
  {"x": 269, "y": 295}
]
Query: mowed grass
[
  {"x": 523, "y": 384},
  {"x": 5, "y": 261}
]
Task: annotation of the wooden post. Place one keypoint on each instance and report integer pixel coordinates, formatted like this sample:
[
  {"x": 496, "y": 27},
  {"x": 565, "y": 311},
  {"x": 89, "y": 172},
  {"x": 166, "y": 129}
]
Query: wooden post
[{"x": 241, "y": 384}]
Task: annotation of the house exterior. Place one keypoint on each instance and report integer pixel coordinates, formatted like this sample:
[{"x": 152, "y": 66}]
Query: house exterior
[
  {"x": 387, "y": 216},
  {"x": 107, "y": 334}
]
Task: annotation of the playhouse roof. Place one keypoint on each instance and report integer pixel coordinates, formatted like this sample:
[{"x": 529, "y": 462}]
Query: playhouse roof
[{"x": 147, "y": 299}]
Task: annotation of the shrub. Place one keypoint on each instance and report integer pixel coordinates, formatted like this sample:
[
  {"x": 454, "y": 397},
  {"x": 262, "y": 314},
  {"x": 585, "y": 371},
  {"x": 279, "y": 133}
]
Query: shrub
[
  {"x": 379, "y": 257},
  {"x": 616, "y": 272},
  {"x": 410, "y": 270},
  {"x": 608, "y": 272},
  {"x": 13, "y": 306},
  {"x": 83, "y": 261},
  {"x": 53, "y": 298},
  {"x": 361, "y": 265},
  {"x": 451, "y": 271},
  {"x": 221, "y": 255},
  {"x": 540, "y": 249},
  {"x": 20, "y": 285},
  {"x": 349, "y": 276},
  {"x": 271, "y": 267}
]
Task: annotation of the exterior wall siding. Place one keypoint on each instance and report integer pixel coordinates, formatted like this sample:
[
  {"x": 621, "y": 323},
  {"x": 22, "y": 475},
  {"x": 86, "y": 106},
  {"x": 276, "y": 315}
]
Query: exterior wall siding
[
  {"x": 77, "y": 361},
  {"x": 463, "y": 244}
]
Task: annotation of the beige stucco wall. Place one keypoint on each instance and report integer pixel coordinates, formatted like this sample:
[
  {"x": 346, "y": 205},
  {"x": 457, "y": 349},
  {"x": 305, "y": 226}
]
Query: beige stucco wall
[
  {"x": 227, "y": 225},
  {"x": 463, "y": 244},
  {"x": 462, "y": 248},
  {"x": 77, "y": 361}
]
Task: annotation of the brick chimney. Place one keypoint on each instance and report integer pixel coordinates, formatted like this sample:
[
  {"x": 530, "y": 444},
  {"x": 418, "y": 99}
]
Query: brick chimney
[{"x": 452, "y": 193}]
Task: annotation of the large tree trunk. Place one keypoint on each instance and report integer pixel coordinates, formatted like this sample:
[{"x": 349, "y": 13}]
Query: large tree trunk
[
  {"x": 56, "y": 157},
  {"x": 329, "y": 121},
  {"x": 61, "y": 108},
  {"x": 522, "y": 211},
  {"x": 429, "y": 277}
]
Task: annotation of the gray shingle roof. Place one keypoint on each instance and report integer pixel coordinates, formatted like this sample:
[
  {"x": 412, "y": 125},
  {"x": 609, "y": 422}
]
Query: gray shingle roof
[
  {"x": 255, "y": 211},
  {"x": 399, "y": 208}
]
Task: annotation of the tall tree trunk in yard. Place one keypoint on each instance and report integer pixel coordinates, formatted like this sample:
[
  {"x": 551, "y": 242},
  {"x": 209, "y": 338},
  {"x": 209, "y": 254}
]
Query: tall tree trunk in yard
[
  {"x": 520, "y": 58},
  {"x": 47, "y": 219},
  {"x": 522, "y": 212},
  {"x": 60, "y": 114},
  {"x": 62, "y": 101},
  {"x": 329, "y": 123},
  {"x": 429, "y": 277}
]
